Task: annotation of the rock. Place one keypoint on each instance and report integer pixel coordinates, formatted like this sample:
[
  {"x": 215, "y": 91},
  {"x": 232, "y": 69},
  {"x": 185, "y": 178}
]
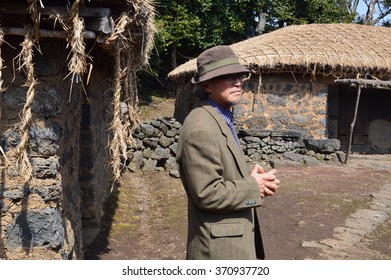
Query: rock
[
  {"x": 326, "y": 146},
  {"x": 30, "y": 229}
]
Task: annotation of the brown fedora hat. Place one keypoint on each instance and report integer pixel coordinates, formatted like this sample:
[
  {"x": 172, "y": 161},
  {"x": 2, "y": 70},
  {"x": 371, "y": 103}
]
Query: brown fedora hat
[{"x": 217, "y": 61}]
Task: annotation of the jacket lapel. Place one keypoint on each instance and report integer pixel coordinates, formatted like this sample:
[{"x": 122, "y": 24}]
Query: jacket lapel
[{"x": 231, "y": 144}]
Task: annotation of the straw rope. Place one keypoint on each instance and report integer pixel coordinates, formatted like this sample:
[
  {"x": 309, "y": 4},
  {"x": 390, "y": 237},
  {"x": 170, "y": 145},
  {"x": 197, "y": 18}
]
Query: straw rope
[
  {"x": 1, "y": 63},
  {"x": 75, "y": 28},
  {"x": 118, "y": 147},
  {"x": 25, "y": 63},
  {"x": 127, "y": 62}
]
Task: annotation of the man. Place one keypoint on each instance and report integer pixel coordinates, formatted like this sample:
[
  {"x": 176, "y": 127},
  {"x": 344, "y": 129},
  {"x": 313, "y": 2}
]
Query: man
[{"x": 222, "y": 192}]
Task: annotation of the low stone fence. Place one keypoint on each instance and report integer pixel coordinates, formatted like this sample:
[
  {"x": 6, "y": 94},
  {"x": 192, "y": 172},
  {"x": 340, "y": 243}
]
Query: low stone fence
[{"x": 156, "y": 143}]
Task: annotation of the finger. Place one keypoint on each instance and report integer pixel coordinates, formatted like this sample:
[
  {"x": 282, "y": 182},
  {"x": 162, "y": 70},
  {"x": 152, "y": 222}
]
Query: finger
[
  {"x": 260, "y": 169},
  {"x": 272, "y": 172},
  {"x": 254, "y": 171},
  {"x": 268, "y": 192},
  {"x": 271, "y": 186},
  {"x": 270, "y": 177}
]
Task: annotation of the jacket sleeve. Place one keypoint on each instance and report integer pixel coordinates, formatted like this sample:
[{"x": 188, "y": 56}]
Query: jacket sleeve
[{"x": 211, "y": 186}]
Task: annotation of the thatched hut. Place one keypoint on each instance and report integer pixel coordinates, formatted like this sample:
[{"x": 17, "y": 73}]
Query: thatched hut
[
  {"x": 295, "y": 83},
  {"x": 68, "y": 96}
]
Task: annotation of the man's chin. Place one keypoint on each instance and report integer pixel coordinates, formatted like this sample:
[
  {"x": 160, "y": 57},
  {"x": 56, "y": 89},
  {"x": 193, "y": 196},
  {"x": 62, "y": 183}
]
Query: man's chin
[{"x": 236, "y": 102}]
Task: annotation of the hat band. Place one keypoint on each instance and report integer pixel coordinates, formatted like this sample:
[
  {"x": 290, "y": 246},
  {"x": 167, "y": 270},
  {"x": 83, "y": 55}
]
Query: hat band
[{"x": 218, "y": 64}]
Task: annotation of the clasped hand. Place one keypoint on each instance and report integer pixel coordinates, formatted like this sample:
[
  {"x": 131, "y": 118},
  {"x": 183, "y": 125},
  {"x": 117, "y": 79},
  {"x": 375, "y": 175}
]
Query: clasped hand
[{"x": 267, "y": 181}]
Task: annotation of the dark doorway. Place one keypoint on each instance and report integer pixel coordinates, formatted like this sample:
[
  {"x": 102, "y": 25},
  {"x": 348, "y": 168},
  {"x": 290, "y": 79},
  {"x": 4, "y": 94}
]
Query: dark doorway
[{"x": 372, "y": 130}]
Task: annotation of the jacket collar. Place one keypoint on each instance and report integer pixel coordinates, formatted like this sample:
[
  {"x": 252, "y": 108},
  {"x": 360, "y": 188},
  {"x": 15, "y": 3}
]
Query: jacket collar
[{"x": 231, "y": 144}]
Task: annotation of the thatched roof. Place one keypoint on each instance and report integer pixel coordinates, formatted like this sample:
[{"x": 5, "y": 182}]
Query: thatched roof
[{"x": 340, "y": 50}]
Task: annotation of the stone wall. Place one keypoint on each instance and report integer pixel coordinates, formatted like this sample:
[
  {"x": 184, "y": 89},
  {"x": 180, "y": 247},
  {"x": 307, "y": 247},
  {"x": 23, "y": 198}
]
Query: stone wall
[
  {"x": 57, "y": 212},
  {"x": 156, "y": 142}
]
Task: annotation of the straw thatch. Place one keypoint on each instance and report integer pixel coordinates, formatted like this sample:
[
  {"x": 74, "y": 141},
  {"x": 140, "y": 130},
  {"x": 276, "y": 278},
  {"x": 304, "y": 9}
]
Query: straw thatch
[{"x": 340, "y": 50}]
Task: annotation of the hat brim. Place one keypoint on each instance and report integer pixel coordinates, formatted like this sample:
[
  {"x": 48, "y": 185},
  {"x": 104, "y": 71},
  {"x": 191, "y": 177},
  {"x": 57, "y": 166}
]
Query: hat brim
[{"x": 225, "y": 70}]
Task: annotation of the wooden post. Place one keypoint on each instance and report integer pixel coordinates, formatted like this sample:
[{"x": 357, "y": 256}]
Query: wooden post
[{"x": 353, "y": 123}]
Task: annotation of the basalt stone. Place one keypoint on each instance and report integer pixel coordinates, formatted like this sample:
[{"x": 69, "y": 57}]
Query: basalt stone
[
  {"x": 174, "y": 147},
  {"x": 254, "y": 132},
  {"x": 149, "y": 130},
  {"x": 258, "y": 122},
  {"x": 13, "y": 97},
  {"x": 43, "y": 141},
  {"x": 149, "y": 165},
  {"x": 172, "y": 132},
  {"x": 171, "y": 164},
  {"x": 279, "y": 117},
  {"x": 165, "y": 141},
  {"x": 49, "y": 193},
  {"x": 286, "y": 134},
  {"x": 30, "y": 229},
  {"x": 277, "y": 100},
  {"x": 140, "y": 136},
  {"x": 251, "y": 139},
  {"x": 47, "y": 103},
  {"x": 45, "y": 167},
  {"x": 160, "y": 153},
  {"x": 155, "y": 123},
  {"x": 10, "y": 139},
  {"x": 163, "y": 128},
  {"x": 17, "y": 193},
  {"x": 253, "y": 146},
  {"x": 151, "y": 142},
  {"x": 326, "y": 146},
  {"x": 300, "y": 119}
]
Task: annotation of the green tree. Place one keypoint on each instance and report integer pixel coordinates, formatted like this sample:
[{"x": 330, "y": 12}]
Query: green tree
[
  {"x": 287, "y": 12},
  {"x": 187, "y": 27}
]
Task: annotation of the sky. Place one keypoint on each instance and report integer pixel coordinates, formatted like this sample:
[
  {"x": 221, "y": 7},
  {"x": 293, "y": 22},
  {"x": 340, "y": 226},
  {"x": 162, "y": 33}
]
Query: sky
[{"x": 362, "y": 9}]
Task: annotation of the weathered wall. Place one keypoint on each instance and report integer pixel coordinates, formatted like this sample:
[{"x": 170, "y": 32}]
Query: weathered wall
[
  {"x": 52, "y": 215},
  {"x": 282, "y": 102}
]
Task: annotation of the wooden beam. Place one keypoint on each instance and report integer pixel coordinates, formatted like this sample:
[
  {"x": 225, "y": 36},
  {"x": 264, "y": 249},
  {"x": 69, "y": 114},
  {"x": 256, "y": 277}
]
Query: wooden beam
[
  {"x": 364, "y": 82},
  {"x": 353, "y": 123},
  {"x": 83, "y": 11},
  {"x": 44, "y": 33}
]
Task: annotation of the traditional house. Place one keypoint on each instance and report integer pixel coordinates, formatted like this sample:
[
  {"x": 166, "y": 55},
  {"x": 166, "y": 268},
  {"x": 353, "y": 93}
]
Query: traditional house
[
  {"x": 306, "y": 78},
  {"x": 67, "y": 105}
]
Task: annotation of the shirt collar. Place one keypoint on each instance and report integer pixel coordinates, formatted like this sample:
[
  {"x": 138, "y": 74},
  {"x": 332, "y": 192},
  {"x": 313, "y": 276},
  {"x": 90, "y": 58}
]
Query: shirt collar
[{"x": 225, "y": 113}]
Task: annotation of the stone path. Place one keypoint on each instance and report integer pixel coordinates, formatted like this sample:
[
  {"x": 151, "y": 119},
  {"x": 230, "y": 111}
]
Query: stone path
[{"x": 357, "y": 225}]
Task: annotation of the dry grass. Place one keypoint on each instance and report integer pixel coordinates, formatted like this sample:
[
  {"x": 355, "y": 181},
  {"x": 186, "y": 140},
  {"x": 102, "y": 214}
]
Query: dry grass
[{"x": 341, "y": 50}]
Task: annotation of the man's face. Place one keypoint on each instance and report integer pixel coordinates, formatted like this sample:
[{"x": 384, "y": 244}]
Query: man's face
[{"x": 226, "y": 90}]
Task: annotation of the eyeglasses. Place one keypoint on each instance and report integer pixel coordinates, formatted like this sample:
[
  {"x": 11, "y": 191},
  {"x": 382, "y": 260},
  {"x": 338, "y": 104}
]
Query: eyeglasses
[{"x": 231, "y": 78}]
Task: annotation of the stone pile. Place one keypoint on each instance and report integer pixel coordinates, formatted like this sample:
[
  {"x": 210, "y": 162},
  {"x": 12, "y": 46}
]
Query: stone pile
[{"x": 156, "y": 144}]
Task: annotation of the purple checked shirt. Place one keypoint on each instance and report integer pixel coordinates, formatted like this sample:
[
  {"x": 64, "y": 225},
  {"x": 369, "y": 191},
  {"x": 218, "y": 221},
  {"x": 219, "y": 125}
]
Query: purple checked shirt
[{"x": 227, "y": 116}]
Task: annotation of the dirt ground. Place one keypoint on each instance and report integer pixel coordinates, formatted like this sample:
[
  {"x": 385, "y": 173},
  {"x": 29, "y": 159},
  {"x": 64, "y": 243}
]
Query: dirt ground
[{"x": 146, "y": 216}]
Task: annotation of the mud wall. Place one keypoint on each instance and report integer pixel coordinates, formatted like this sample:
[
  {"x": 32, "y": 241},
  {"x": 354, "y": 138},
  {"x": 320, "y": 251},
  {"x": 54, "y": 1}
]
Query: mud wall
[
  {"x": 282, "y": 102},
  {"x": 57, "y": 212}
]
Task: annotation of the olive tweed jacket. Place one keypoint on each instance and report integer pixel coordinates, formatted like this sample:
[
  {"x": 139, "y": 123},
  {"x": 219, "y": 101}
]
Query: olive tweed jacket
[{"x": 222, "y": 196}]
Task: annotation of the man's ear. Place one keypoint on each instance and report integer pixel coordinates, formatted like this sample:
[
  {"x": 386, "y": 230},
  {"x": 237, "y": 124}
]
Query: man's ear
[{"x": 205, "y": 86}]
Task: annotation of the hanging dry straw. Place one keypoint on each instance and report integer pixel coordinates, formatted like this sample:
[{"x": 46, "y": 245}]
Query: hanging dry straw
[
  {"x": 1, "y": 63},
  {"x": 123, "y": 42},
  {"x": 25, "y": 63},
  {"x": 75, "y": 28}
]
